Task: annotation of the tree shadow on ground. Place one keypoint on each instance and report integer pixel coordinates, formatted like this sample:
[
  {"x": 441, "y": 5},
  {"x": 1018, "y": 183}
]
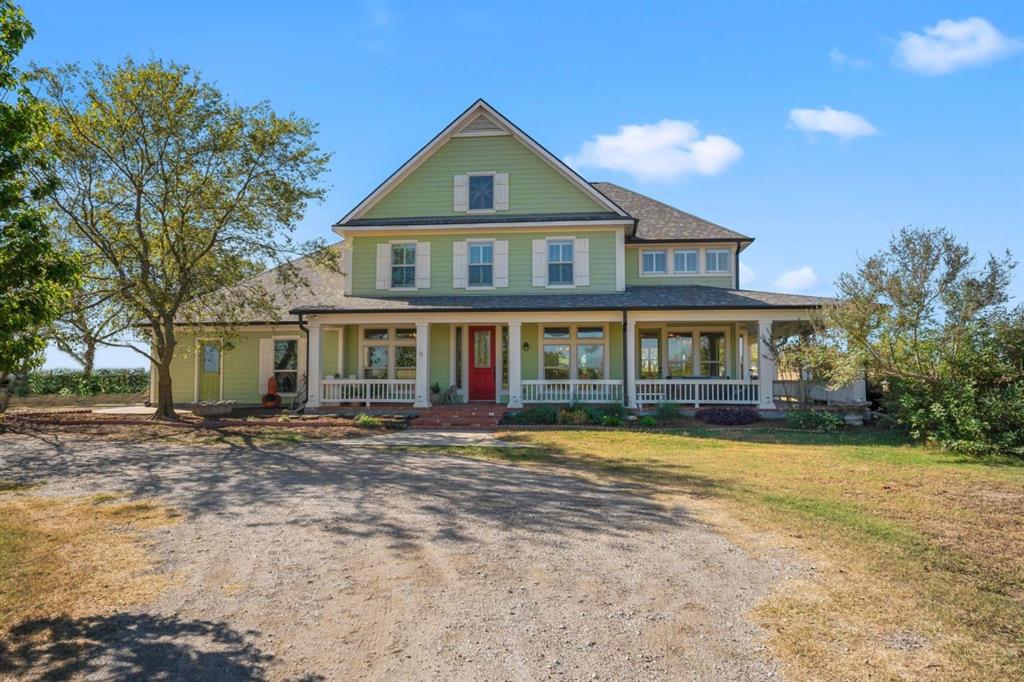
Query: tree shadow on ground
[
  {"x": 351, "y": 488},
  {"x": 127, "y": 646}
]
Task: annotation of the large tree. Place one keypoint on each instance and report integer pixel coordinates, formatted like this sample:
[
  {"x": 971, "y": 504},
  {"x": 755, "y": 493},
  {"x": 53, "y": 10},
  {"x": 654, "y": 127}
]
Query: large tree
[
  {"x": 931, "y": 322},
  {"x": 35, "y": 278},
  {"x": 182, "y": 195}
]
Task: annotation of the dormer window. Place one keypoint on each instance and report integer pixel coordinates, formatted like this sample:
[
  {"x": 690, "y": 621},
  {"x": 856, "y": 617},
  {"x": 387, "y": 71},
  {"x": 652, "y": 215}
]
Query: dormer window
[{"x": 481, "y": 192}]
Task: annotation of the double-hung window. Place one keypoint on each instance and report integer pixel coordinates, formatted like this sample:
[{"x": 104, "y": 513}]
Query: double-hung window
[
  {"x": 574, "y": 352},
  {"x": 712, "y": 354},
  {"x": 680, "y": 354},
  {"x": 654, "y": 262},
  {"x": 716, "y": 260},
  {"x": 560, "y": 258},
  {"x": 403, "y": 266},
  {"x": 286, "y": 365},
  {"x": 389, "y": 352},
  {"x": 686, "y": 261},
  {"x": 481, "y": 264},
  {"x": 481, "y": 192}
]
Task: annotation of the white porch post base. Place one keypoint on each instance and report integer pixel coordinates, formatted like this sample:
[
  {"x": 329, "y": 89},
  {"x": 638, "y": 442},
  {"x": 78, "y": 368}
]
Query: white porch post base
[
  {"x": 765, "y": 366},
  {"x": 515, "y": 365},
  {"x": 630, "y": 344},
  {"x": 422, "y": 365},
  {"x": 313, "y": 365}
]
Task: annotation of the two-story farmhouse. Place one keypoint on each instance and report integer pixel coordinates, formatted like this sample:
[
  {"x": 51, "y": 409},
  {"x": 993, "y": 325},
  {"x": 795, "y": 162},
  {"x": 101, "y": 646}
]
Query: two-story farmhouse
[{"x": 488, "y": 265}]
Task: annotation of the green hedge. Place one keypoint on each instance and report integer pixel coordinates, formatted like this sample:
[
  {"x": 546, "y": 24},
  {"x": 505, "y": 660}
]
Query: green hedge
[{"x": 73, "y": 382}]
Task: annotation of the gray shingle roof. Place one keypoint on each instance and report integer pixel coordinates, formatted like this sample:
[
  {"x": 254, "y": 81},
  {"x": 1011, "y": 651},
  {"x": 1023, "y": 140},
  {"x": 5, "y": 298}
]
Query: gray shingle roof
[
  {"x": 659, "y": 221},
  {"x": 634, "y": 298}
]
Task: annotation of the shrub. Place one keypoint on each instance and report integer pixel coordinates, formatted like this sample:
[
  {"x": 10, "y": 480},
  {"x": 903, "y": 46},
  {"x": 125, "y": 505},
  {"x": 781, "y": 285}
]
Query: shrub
[
  {"x": 814, "y": 420},
  {"x": 74, "y": 382},
  {"x": 368, "y": 421},
  {"x": 611, "y": 420},
  {"x": 728, "y": 416},
  {"x": 613, "y": 409},
  {"x": 573, "y": 416},
  {"x": 538, "y": 414},
  {"x": 648, "y": 421},
  {"x": 666, "y": 412}
]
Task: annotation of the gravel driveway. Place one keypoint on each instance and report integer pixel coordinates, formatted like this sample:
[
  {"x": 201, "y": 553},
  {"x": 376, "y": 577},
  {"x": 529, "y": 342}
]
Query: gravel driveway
[{"x": 348, "y": 560}]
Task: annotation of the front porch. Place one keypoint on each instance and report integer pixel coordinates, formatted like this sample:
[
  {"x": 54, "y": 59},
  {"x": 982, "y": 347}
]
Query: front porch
[{"x": 637, "y": 358}]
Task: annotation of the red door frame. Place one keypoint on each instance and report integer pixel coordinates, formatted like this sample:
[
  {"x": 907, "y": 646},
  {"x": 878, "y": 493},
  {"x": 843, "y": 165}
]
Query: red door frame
[{"x": 481, "y": 379}]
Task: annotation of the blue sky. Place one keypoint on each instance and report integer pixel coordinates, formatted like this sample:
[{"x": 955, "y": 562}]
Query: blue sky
[{"x": 816, "y": 128}]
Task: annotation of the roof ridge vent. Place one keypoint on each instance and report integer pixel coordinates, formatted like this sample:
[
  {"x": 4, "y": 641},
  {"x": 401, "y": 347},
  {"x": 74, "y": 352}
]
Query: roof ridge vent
[{"x": 482, "y": 125}]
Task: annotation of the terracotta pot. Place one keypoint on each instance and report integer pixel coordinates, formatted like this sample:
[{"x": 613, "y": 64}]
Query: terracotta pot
[{"x": 271, "y": 400}]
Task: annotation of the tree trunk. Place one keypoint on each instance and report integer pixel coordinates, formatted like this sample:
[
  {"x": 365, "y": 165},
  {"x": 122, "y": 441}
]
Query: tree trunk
[
  {"x": 88, "y": 360},
  {"x": 164, "y": 396}
]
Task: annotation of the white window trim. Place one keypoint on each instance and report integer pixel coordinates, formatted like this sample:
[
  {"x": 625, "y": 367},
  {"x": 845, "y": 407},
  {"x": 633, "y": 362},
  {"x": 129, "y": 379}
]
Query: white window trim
[
  {"x": 547, "y": 262},
  {"x": 686, "y": 273},
  {"x": 572, "y": 342},
  {"x": 478, "y": 287},
  {"x": 694, "y": 332},
  {"x": 668, "y": 266},
  {"x": 298, "y": 362},
  {"x": 391, "y": 342},
  {"x": 728, "y": 262},
  {"x": 494, "y": 183},
  {"x": 391, "y": 265},
  {"x": 200, "y": 342}
]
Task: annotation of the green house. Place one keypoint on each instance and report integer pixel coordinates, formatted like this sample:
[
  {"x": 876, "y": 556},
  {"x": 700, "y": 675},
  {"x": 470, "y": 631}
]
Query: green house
[{"x": 487, "y": 267}]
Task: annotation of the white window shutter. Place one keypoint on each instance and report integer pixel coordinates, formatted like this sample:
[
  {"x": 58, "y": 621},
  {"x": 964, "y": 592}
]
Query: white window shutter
[
  {"x": 501, "y": 191},
  {"x": 459, "y": 265},
  {"x": 461, "y": 198},
  {"x": 540, "y": 262},
  {"x": 383, "y": 265},
  {"x": 501, "y": 263},
  {"x": 422, "y": 265},
  {"x": 266, "y": 364},
  {"x": 581, "y": 262}
]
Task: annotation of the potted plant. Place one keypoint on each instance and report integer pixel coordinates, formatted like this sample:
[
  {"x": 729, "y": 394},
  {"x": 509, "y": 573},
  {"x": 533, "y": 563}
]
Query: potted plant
[{"x": 435, "y": 393}]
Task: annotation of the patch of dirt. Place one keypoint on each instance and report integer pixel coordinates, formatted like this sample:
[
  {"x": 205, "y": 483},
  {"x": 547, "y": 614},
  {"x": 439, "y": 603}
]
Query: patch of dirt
[{"x": 348, "y": 561}]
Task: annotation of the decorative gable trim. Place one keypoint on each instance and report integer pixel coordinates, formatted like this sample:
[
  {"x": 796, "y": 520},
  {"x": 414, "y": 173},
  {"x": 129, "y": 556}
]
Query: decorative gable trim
[
  {"x": 478, "y": 108},
  {"x": 481, "y": 126}
]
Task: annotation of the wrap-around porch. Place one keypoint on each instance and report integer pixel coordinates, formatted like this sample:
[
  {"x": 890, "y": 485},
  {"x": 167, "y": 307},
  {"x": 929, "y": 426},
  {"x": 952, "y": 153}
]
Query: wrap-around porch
[{"x": 637, "y": 358}]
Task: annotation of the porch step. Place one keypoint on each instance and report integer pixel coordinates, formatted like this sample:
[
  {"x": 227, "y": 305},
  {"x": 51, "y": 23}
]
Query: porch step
[{"x": 459, "y": 416}]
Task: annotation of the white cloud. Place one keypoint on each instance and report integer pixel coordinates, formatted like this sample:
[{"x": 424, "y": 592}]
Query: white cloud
[
  {"x": 844, "y": 124},
  {"x": 747, "y": 273},
  {"x": 953, "y": 45},
  {"x": 801, "y": 279},
  {"x": 659, "y": 152},
  {"x": 841, "y": 60}
]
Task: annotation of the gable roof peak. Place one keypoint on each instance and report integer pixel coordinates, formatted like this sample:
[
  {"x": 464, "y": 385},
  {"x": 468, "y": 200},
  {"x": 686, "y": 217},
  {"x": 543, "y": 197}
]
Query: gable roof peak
[{"x": 467, "y": 121}]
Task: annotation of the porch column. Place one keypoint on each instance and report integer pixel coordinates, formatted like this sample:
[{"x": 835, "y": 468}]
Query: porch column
[
  {"x": 765, "y": 366},
  {"x": 313, "y": 364},
  {"x": 422, "y": 365},
  {"x": 515, "y": 364},
  {"x": 629, "y": 343}
]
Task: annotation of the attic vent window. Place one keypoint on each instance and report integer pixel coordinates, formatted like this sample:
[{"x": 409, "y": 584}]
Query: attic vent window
[{"x": 481, "y": 125}]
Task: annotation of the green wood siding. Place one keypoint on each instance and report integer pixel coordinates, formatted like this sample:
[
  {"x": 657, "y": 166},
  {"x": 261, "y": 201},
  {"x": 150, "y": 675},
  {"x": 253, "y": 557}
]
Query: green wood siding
[
  {"x": 520, "y": 263},
  {"x": 633, "y": 277},
  {"x": 328, "y": 351},
  {"x": 530, "y": 359},
  {"x": 440, "y": 356},
  {"x": 534, "y": 186}
]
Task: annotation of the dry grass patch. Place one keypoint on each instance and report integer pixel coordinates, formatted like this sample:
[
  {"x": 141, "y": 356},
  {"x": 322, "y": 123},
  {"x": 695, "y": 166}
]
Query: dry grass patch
[
  {"x": 75, "y": 557},
  {"x": 919, "y": 554}
]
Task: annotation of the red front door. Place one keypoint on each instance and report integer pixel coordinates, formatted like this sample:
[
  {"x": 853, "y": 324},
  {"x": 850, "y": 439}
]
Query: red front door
[{"x": 481, "y": 363}]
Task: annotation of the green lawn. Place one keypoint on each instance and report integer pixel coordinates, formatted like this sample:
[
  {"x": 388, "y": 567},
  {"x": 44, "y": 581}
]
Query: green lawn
[{"x": 919, "y": 554}]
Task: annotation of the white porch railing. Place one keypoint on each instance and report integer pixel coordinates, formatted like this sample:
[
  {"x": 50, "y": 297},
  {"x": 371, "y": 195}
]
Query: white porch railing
[
  {"x": 854, "y": 392},
  {"x": 368, "y": 390},
  {"x": 572, "y": 391},
  {"x": 697, "y": 391}
]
